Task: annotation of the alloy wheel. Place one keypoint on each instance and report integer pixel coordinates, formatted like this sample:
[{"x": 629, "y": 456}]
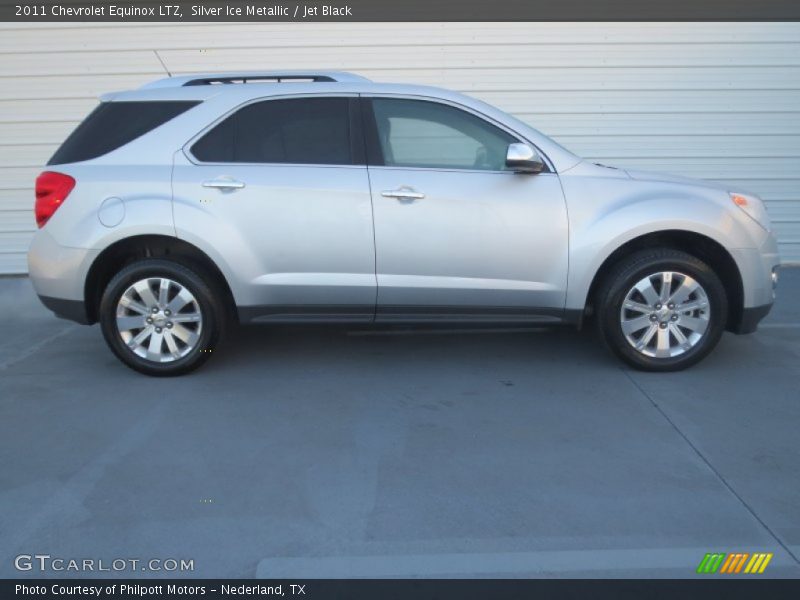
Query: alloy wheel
[
  {"x": 159, "y": 319},
  {"x": 665, "y": 314}
]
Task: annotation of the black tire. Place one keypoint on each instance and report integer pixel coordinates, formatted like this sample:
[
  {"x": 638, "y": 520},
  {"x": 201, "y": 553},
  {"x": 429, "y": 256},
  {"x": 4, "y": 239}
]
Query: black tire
[
  {"x": 210, "y": 306},
  {"x": 633, "y": 269}
]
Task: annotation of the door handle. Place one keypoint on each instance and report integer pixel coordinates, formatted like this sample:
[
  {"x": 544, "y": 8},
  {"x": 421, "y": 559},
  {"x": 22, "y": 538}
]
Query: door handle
[
  {"x": 403, "y": 193},
  {"x": 223, "y": 184}
]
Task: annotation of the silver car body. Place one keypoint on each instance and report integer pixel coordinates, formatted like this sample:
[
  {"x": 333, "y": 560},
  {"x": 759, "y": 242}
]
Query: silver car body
[{"x": 301, "y": 242}]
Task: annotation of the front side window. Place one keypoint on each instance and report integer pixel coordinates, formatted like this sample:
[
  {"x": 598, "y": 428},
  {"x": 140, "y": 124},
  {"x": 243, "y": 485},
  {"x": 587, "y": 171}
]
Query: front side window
[
  {"x": 418, "y": 133},
  {"x": 298, "y": 130}
]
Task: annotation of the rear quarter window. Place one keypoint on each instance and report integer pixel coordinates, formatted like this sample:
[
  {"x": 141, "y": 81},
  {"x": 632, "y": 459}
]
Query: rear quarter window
[{"x": 112, "y": 125}]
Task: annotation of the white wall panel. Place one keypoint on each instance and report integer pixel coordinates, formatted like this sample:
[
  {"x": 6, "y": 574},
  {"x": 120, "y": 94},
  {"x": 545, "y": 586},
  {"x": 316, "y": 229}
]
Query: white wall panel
[{"x": 712, "y": 100}]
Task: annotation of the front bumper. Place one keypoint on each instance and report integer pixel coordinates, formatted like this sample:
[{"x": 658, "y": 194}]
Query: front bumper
[
  {"x": 758, "y": 268},
  {"x": 751, "y": 317}
]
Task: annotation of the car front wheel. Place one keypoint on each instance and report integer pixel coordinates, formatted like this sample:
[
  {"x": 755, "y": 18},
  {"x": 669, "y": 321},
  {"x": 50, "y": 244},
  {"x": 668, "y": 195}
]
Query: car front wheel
[{"x": 662, "y": 310}]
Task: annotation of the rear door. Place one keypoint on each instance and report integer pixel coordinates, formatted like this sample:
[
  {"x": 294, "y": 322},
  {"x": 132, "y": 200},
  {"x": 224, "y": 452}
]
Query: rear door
[
  {"x": 457, "y": 234},
  {"x": 279, "y": 194}
]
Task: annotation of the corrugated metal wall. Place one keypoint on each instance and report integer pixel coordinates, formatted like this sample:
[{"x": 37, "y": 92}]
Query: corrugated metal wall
[{"x": 717, "y": 101}]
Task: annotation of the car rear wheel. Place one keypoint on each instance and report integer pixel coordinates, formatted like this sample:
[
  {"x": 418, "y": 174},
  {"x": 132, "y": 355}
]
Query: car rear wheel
[
  {"x": 662, "y": 310},
  {"x": 160, "y": 317}
]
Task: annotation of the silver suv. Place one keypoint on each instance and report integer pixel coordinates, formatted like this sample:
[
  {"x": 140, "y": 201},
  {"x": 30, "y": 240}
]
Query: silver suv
[{"x": 193, "y": 202}]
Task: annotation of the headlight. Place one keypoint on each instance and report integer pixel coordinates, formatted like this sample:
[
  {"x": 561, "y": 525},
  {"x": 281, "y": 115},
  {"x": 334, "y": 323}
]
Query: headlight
[{"x": 754, "y": 207}]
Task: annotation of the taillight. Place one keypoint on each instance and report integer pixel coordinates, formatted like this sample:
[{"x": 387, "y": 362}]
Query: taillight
[{"x": 51, "y": 190}]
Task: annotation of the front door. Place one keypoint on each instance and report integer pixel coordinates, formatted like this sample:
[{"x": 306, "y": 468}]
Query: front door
[{"x": 457, "y": 235}]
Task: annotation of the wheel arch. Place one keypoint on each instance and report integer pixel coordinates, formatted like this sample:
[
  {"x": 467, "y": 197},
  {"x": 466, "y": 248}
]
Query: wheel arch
[
  {"x": 701, "y": 246},
  {"x": 125, "y": 251}
]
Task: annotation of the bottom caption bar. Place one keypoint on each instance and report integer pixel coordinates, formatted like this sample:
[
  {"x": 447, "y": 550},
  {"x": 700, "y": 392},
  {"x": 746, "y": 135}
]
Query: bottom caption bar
[{"x": 387, "y": 589}]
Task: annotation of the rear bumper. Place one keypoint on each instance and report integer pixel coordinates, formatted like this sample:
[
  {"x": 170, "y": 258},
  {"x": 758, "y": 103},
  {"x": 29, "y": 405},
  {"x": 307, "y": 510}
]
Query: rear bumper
[
  {"x": 72, "y": 310},
  {"x": 58, "y": 274}
]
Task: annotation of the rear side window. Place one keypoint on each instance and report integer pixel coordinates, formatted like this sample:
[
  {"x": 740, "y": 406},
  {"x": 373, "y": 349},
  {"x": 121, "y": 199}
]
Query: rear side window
[
  {"x": 298, "y": 130},
  {"x": 112, "y": 125}
]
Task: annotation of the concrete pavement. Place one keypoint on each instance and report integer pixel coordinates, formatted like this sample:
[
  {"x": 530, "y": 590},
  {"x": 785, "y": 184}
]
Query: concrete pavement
[{"x": 328, "y": 452}]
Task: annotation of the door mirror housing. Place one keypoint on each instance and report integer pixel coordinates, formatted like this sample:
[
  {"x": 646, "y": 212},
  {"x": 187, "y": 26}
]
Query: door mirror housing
[{"x": 522, "y": 158}]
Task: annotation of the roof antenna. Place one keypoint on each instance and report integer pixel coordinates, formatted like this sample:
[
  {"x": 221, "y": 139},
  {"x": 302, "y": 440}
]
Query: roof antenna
[{"x": 158, "y": 56}]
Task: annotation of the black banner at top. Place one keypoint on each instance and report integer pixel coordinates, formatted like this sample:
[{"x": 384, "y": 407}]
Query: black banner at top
[{"x": 65, "y": 11}]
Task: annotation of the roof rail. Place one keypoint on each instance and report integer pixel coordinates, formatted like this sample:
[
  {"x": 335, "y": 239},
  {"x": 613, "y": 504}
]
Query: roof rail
[{"x": 254, "y": 76}]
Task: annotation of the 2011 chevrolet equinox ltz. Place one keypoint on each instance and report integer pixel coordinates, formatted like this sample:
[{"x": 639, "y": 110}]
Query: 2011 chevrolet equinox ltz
[{"x": 294, "y": 196}]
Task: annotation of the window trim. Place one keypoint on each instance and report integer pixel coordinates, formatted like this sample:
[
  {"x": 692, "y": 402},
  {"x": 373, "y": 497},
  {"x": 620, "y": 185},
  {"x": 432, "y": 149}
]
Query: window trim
[
  {"x": 355, "y": 124},
  {"x": 372, "y": 142}
]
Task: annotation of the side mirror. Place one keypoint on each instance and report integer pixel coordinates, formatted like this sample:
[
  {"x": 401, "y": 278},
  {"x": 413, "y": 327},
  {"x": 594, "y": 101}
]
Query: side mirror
[{"x": 524, "y": 159}]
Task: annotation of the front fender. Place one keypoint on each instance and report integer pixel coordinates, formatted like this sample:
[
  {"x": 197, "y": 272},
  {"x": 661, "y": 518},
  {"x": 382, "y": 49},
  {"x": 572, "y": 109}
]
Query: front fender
[{"x": 607, "y": 213}]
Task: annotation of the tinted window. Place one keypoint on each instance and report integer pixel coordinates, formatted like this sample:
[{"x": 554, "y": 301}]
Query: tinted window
[
  {"x": 416, "y": 133},
  {"x": 112, "y": 125},
  {"x": 301, "y": 130}
]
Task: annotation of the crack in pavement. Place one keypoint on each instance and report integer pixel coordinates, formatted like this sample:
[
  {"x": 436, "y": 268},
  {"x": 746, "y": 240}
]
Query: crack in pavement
[
  {"x": 36, "y": 347},
  {"x": 71, "y": 494},
  {"x": 710, "y": 466}
]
